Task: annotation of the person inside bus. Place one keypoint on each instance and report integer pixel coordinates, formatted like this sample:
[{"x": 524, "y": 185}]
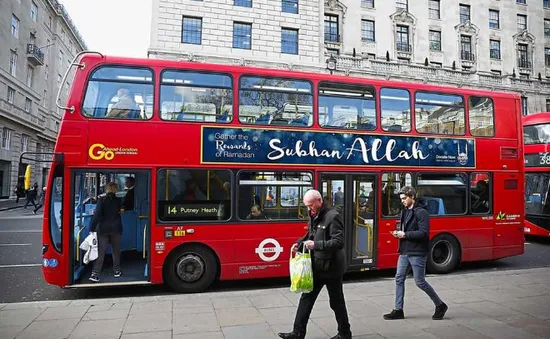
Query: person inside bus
[
  {"x": 125, "y": 107},
  {"x": 107, "y": 222},
  {"x": 481, "y": 204},
  {"x": 256, "y": 213},
  {"x": 339, "y": 197},
  {"x": 191, "y": 192},
  {"x": 128, "y": 200}
]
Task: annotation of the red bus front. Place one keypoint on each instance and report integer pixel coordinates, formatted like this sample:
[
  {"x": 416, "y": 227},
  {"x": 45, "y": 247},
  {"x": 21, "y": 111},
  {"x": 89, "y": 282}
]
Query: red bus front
[{"x": 536, "y": 134}]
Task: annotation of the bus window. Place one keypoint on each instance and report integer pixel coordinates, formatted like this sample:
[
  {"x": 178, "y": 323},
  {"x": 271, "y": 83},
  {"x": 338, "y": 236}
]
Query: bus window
[
  {"x": 119, "y": 93},
  {"x": 194, "y": 195},
  {"x": 392, "y": 182},
  {"x": 277, "y": 195},
  {"x": 56, "y": 203},
  {"x": 482, "y": 116},
  {"x": 348, "y": 106},
  {"x": 480, "y": 198},
  {"x": 396, "y": 110},
  {"x": 442, "y": 193},
  {"x": 197, "y": 97},
  {"x": 273, "y": 101},
  {"x": 536, "y": 134},
  {"x": 439, "y": 113},
  {"x": 537, "y": 186}
]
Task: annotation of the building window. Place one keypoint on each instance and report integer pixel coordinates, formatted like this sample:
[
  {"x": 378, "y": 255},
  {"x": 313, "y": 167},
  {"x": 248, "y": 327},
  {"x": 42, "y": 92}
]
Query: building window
[
  {"x": 30, "y": 75},
  {"x": 434, "y": 9},
  {"x": 523, "y": 2},
  {"x": 14, "y": 26},
  {"x": 403, "y": 39},
  {"x": 290, "y": 6},
  {"x": 11, "y": 95},
  {"x": 523, "y": 56},
  {"x": 435, "y": 41},
  {"x": 13, "y": 63},
  {"x": 243, "y": 3},
  {"x": 547, "y": 28},
  {"x": 6, "y": 138},
  {"x": 402, "y": 5},
  {"x": 494, "y": 20},
  {"x": 546, "y": 3},
  {"x": 46, "y": 72},
  {"x": 331, "y": 28},
  {"x": 242, "y": 35},
  {"x": 191, "y": 31},
  {"x": 60, "y": 59},
  {"x": 28, "y": 105},
  {"x": 495, "y": 49},
  {"x": 367, "y": 3},
  {"x": 464, "y": 13},
  {"x": 547, "y": 105},
  {"x": 547, "y": 57},
  {"x": 466, "y": 48},
  {"x": 59, "y": 77},
  {"x": 367, "y": 30},
  {"x": 24, "y": 143},
  {"x": 34, "y": 11},
  {"x": 289, "y": 41},
  {"x": 524, "y": 109},
  {"x": 45, "y": 99},
  {"x": 522, "y": 22}
]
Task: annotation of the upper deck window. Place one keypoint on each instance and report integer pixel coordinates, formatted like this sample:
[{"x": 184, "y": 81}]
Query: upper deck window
[
  {"x": 439, "y": 113},
  {"x": 275, "y": 101},
  {"x": 349, "y": 106},
  {"x": 197, "y": 97},
  {"x": 536, "y": 134},
  {"x": 396, "y": 110},
  {"x": 119, "y": 93},
  {"x": 482, "y": 116}
]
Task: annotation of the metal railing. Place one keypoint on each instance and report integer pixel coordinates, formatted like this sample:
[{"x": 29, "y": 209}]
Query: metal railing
[
  {"x": 403, "y": 47},
  {"x": 467, "y": 56},
  {"x": 35, "y": 52}
]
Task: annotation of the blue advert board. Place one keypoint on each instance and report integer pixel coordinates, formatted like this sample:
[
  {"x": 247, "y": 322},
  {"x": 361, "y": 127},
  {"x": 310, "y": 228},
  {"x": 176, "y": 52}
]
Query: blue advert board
[{"x": 270, "y": 146}]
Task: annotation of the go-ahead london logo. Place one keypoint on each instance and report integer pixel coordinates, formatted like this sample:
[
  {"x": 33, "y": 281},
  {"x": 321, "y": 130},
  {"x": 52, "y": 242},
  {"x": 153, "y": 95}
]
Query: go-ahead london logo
[{"x": 272, "y": 252}]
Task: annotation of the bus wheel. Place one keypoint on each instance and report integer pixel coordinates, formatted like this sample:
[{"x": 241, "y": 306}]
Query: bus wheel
[
  {"x": 190, "y": 269},
  {"x": 444, "y": 254}
]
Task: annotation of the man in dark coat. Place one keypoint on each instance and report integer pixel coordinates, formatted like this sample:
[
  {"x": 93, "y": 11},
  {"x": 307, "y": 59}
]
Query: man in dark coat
[
  {"x": 325, "y": 238},
  {"x": 414, "y": 244},
  {"x": 107, "y": 222},
  {"x": 128, "y": 200}
]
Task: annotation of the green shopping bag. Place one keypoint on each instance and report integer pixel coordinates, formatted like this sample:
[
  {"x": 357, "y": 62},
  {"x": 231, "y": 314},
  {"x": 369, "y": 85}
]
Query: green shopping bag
[{"x": 301, "y": 272}]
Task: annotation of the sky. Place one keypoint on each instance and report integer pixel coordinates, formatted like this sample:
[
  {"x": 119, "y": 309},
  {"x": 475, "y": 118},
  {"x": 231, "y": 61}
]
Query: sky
[{"x": 113, "y": 27}]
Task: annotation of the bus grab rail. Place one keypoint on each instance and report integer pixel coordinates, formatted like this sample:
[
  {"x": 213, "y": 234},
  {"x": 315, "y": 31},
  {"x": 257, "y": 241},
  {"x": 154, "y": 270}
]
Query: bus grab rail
[{"x": 73, "y": 63}]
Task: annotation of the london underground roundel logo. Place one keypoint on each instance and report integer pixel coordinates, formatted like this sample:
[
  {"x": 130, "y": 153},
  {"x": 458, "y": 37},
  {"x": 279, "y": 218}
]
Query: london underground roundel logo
[{"x": 269, "y": 253}]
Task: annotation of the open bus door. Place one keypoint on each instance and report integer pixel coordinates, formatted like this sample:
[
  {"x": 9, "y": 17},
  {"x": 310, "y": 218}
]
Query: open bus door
[
  {"x": 87, "y": 186},
  {"x": 354, "y": 196}
]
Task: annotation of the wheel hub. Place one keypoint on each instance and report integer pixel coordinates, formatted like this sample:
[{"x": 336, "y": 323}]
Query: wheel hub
[
  {"x": 190, "y": 268},
  {"x": 442, "y": 253}
]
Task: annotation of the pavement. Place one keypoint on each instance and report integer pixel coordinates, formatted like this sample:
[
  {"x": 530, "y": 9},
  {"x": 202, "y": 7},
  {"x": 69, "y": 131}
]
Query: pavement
[
  {"x": 499, "y": 304},
  {"x": 9, "y": 204}
]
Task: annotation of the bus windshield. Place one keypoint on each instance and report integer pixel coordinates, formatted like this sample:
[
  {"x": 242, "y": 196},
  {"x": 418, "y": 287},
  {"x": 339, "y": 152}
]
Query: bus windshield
[
  {"x": 536, "y": 134},
  {"x": 536, "y": 193}
]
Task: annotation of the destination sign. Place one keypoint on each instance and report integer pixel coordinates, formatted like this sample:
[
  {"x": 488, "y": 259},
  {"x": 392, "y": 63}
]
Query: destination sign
[{"x": 192, "y": 210}]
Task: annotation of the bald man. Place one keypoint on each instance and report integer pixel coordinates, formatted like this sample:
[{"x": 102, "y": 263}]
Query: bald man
[{"x": 325, "y": 238}]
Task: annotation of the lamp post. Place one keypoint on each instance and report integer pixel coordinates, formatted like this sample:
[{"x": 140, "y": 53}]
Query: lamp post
[{"x": 331, "y": 63}]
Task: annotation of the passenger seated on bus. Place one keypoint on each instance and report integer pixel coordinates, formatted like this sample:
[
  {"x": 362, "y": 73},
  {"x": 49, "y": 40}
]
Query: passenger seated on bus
[
  {"x": 256, "y": 213},
  {"x": 300, "y": 120},
  {"x": 191, "y": 192},
  {"x": 481, "y": 202},
  {"x": 224, "y": 117},
  {"x": 125, "y": 107}
]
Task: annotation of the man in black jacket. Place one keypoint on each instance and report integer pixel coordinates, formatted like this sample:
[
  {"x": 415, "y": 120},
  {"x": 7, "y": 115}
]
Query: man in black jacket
[
  {"x": 107, "y": 222},
  {"x": 128, "y": 200},
  {"x": 325, "y": 238},
  {"x": 414, "y": 239}
]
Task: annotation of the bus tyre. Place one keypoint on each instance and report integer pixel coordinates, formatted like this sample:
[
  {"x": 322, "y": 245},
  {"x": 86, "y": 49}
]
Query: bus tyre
[
  {"x": 444, "y": 254},
  {"x": 190, "y": 269}
]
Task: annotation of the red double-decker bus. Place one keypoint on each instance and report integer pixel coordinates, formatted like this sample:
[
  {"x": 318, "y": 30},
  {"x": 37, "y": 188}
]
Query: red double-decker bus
[
  {"x": 222, "y": 155},
  {"x": 536, "y": 136}
]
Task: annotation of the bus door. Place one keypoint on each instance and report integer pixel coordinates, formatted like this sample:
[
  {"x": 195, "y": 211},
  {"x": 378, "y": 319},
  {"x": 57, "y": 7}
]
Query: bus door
[
  {"x": 354, "y": 196},
  {"x": 87, "y": 188}
]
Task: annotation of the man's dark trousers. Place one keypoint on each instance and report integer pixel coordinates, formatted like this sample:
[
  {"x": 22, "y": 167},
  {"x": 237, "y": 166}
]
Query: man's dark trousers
[{"x": 337, "y": 303}]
